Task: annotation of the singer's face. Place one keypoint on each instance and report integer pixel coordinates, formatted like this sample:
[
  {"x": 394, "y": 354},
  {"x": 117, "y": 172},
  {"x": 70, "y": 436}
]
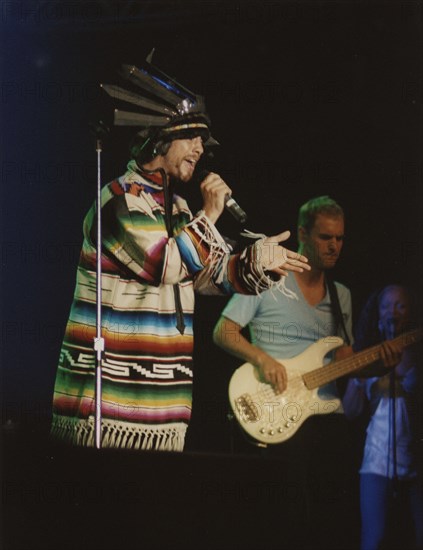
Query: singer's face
[
  {"x": 182, "y": 157},
  {"x": 394, "y": 310}
]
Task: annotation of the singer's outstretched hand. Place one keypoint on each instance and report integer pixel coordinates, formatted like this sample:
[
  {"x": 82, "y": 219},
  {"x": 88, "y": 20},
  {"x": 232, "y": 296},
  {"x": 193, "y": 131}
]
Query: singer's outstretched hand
[
  {"x": 274, "y": 257},
  {"x": 214, "y": 191}
]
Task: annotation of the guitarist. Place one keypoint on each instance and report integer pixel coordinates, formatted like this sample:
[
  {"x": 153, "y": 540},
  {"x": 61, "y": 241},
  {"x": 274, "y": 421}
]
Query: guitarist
[{"x": 284, "y": 326}]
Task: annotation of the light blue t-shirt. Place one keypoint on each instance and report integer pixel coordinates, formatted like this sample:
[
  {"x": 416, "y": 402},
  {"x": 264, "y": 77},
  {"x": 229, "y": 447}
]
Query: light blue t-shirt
[{"x": 284, "y": 327}]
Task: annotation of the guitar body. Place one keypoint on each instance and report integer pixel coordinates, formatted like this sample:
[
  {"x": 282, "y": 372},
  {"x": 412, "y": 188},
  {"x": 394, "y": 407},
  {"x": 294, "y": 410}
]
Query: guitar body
[{"x": 270, "y": 418}]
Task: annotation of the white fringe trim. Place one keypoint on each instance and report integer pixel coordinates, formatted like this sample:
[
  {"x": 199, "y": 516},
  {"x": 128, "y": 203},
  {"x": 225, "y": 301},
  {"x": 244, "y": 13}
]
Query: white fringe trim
[
  {"x": 265, "y": 282},
  {"x": 120, "y": 435},
  {"x": 219, "y": 250}
]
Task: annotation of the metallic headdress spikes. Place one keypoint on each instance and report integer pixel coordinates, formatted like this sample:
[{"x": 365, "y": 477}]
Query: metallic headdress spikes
[{"x": 181, "y": 112}]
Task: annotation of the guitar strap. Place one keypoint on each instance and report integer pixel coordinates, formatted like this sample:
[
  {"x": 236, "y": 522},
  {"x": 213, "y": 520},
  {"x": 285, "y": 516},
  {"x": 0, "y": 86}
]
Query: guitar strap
[{"x": 336, "y": 308}]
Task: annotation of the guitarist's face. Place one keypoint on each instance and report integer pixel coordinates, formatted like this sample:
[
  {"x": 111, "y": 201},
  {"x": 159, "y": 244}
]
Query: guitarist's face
[{"x": 323, "y": 243}]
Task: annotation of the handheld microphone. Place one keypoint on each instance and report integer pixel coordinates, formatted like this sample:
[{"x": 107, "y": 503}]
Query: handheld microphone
[
  {"x": 233, "y": 207},
  {"x": 230, "y": 204},
  {"x": 391, "y": 329},
  {"x": 388, "y": 329}
]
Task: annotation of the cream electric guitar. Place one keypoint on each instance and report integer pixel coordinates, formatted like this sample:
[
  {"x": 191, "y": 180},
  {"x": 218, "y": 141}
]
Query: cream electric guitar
[{"x": 273, "y": 418}]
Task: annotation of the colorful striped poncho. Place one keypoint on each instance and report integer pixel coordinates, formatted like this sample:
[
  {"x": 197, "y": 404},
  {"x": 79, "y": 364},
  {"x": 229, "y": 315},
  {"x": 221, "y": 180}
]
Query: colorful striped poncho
[{"x": 147, "y": 368}]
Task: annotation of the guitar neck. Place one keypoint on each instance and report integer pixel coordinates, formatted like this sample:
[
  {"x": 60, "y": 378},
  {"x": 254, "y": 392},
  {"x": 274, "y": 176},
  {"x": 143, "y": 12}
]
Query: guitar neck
[{"x": 356, "y": 362}]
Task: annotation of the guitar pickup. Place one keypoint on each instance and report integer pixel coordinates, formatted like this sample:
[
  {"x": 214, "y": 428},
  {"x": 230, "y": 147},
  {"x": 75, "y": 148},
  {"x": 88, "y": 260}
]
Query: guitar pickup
[{"x": 247, "y": 408}]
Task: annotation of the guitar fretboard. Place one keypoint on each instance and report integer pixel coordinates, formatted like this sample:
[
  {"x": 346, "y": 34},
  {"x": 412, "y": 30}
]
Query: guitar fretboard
[{"x": 356, "y": 362}]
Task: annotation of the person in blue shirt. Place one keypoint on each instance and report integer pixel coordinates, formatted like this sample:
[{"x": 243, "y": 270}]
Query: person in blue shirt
[{"x": 282, "y": 325}]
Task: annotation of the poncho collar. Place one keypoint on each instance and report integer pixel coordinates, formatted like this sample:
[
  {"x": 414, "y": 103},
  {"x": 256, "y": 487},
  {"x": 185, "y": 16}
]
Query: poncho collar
[{"x": 152, "y": 182}]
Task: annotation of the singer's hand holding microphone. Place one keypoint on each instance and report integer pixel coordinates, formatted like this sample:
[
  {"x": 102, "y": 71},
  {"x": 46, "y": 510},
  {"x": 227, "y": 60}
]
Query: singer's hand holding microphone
[
  {"x": 273, "y": 257},
  {"x": 216, "y": 196}
]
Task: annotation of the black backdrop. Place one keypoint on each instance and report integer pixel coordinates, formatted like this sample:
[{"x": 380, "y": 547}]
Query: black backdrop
[{"x": 306, "y": 98}]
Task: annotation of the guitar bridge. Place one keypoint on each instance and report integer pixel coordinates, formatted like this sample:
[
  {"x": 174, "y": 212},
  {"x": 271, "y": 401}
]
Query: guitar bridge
[{"x": 247, "y": 408}]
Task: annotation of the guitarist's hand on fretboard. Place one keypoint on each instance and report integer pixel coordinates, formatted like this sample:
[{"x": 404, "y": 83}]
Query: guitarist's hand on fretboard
[{"x": 390, "y": 353}]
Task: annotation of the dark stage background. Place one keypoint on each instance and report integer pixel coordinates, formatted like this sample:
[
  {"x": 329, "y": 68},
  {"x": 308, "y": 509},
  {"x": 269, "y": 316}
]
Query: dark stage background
[{"x": 306, "y": 98}]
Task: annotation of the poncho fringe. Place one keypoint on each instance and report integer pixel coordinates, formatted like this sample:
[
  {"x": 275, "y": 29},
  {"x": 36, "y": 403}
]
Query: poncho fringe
[{"x": 119, "y": 435}]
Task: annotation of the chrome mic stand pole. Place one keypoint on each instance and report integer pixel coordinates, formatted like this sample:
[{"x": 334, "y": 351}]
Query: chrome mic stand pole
[
  {"x": 100, "y": 130},
  {"x": 98, "y": 340}
]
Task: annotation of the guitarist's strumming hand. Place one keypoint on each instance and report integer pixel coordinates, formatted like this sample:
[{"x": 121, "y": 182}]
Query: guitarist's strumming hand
[
  {"x": 272, "y": 372},
  {"x": 227, "y": 334}
]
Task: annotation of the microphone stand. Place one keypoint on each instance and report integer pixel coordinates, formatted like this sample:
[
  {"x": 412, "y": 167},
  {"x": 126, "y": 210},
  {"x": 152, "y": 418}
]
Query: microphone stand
[
  {"x": 392, "y": 397},
  {"x": 98, "y": 340},
  {"x": 100, "y": 130},
  {"x": 393, "y": 420}
]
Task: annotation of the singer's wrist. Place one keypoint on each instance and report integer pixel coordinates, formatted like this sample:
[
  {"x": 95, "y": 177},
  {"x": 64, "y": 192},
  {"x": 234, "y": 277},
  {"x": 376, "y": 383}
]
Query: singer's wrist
[{"x": 212, "y": 214}]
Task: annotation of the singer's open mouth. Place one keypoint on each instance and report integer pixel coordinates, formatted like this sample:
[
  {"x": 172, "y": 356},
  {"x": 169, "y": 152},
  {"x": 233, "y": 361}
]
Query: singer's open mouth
[{"x": 193, "y": 162}]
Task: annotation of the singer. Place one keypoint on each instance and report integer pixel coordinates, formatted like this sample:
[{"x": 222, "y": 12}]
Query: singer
[{"x": 155, "y": 253}]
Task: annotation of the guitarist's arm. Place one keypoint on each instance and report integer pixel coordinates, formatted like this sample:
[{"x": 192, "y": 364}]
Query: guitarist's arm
[
  {"x": 227, "y": 335},
  {"x": 392, "y": 356}
]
